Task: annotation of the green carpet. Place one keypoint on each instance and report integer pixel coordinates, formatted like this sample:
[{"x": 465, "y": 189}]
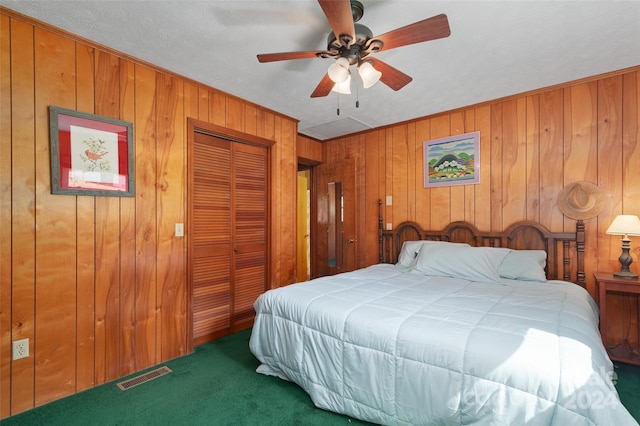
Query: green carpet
[
  {"x": 217, "y": 384},
  {"x": 628, "y": 386}
]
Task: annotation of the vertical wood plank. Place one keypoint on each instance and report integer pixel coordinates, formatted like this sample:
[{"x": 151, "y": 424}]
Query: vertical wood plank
[
  {"x": 412, "y": 170},
  {"x": 191, "y": 105},
  {"x": 381, "y": 186},
  {"x": 288, "y": 171},
  {"x": 533, "y": 158},
  {"x": 85, "y": 83},
  {"x": 551, "y": 155},
  {"x": 276, "y": 199},
  {"x": 610, "y": 167},
  {"x": 457, "y": 192},
  {"x": 631, "y": 148},
  {"x": 364, "y": 217},
  {"x": 22, "y": 212},
  {"x": 496, "y": 172},
  {"x": 127, "y": 276},
  {"x": 389, "y": 173},
  {"x": 217, "y": 108},
  {"x": 514, "y": 161},
  {"x": 483, "y": 189},
  {"x": 631, "y": 173},
  {"x": 107, "y": 104},
  {"x": 5, "y": 216},
  {"x": 400, "y": 177},
  {"x": 349, "y": 193},
  {"x": 146, "y": 237},
  {"x": 581, "y": 158},
  {"x": 55, "y": 250},
  {"x": 440, "y": 197},
  {"x": 423, "y": 195},
  {"x": 203, "y": 104},
  {"x": 469, "y": 190},
  {"x": 610, "y": 177},
  {"x": 372, "y": 180},
  {"x": 250, "y": 119},
  {"x": 171, "y": 201},
  {"x": 234, "y": 114}
]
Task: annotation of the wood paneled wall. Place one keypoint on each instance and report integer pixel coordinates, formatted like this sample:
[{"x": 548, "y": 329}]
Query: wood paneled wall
[
  {"x": 97, "y": 284},
  {"x": 531, "y": 146}
]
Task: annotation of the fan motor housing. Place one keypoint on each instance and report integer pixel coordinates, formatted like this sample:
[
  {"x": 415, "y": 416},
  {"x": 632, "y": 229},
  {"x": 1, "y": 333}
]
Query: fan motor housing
[{"x": 352, "y": 51}]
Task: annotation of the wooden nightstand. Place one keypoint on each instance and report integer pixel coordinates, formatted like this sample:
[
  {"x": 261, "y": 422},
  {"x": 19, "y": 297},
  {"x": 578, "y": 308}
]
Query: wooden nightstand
[{"x": 608, "y": 283}]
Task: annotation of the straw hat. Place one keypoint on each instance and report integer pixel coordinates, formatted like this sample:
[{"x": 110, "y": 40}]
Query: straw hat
[{"x": 581, "y": 200}]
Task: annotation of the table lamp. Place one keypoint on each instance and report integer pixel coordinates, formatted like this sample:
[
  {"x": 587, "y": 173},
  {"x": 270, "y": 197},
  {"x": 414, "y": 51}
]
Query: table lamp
[{"x": 625, "y": 224}]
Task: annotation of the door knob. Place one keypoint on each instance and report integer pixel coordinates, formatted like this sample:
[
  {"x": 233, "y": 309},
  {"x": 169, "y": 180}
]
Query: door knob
[{"x": 352, "y": 240}]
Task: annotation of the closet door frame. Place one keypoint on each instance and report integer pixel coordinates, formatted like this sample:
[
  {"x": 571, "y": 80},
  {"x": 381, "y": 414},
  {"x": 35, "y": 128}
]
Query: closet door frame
[{"x": 198, "y": 126}]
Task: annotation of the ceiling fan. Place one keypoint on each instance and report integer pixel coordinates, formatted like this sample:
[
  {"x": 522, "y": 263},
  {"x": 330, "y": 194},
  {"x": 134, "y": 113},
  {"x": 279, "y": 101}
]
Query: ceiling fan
[{"x": 350, "y": 43}]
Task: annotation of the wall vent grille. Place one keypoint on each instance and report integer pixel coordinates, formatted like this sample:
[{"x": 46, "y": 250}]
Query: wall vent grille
[{"x": 143, "y": 378}]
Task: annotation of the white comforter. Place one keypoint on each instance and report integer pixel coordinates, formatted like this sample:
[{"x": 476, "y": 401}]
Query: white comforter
[{"x": 394, "y": 347}]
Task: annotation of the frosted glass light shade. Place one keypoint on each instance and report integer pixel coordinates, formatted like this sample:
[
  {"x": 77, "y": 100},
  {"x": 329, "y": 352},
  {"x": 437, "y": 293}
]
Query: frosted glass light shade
[
  {"x": 344, "y": 87},
  {"x": 339, "y": 70},
  {"x": 625, "y": 224},
  {"x": 369, "y": 74}
]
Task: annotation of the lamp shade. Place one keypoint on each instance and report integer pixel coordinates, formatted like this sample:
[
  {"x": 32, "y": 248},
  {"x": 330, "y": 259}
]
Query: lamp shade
[
  {"x": 344, "y": 87},
  {"x": 369, "y": 74},
  {"x": 625, "y": 224},
  {"x": 339, "y": 70}
]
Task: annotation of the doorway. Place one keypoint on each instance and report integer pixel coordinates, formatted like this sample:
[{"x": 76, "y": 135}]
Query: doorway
[{"x": 304, "y": 220}]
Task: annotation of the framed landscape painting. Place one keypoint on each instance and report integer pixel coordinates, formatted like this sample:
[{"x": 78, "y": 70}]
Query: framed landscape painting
[{"x": 454, "y": 160}]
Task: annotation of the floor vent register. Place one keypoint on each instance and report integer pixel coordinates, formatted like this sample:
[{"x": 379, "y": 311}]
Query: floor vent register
[{"x": 143, "y": 378}]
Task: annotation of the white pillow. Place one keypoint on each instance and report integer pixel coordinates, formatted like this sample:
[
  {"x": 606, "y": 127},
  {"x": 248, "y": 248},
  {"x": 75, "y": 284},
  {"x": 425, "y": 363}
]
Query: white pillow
[
  {"x": 465, "y": 262},
  {"x": 526, "y": 265},
  {"x": 410, "y": 249}
]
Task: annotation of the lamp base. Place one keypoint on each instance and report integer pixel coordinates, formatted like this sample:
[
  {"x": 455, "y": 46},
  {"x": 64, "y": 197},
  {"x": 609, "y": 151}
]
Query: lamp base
[{"x": 627, "y": 275}]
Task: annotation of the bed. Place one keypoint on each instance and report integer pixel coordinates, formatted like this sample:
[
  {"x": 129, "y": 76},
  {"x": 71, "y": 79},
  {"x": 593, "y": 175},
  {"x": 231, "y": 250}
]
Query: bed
[{"x": 455, "y": 326}]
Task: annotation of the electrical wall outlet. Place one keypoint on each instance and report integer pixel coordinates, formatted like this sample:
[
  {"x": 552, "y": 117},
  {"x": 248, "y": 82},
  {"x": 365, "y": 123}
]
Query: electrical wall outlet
[{"x": 20, "y": 349}]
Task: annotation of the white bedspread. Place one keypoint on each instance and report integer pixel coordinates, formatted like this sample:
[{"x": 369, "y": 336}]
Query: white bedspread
[{"x": 394, "y": 347}]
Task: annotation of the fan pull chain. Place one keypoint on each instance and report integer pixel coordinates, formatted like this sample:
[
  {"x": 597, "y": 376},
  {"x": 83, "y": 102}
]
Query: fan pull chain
[
  {"x": 338, "y": 109},
  {"x": 357, "y": 96}
]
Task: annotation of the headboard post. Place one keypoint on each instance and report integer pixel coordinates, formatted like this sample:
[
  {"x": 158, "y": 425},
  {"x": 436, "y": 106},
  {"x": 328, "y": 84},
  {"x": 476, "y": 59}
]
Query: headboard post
[
  {"x": 580, "y": 237},
  {"x": 380, "y": 229}
]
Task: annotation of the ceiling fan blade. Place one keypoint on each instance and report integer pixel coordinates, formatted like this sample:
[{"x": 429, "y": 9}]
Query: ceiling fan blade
[
  {"x": 338, "y": 13},
  {"x": 285, "y": 56},
  {"x": 428, "y": 29},
  {"x": 391, "y": 76},
  {"x": 324, "y": 88}
]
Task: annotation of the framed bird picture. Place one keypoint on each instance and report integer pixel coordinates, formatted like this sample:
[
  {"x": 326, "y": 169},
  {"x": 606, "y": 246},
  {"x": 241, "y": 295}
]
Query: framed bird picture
[{"x": 90, "y": 155}]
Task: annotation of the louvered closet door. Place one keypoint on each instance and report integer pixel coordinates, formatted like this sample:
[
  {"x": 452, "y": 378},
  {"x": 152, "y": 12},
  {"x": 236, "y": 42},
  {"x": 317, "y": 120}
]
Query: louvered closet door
[
  {"x": 229, "y": 234},
  {"x": 250, "y": 229},
  {"x": 211, "y": 236}
]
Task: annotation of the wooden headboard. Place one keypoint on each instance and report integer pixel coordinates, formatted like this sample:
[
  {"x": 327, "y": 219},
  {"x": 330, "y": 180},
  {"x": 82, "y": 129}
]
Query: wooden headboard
[{"x": 565, "y": 250}]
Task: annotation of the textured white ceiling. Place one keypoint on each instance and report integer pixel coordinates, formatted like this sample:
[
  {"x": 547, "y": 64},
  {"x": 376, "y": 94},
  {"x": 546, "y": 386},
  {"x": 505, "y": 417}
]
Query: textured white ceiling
[{"x": 496, "y": 49}]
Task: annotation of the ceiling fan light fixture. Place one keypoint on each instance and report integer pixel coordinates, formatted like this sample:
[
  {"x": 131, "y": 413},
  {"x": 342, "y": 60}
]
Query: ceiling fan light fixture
[
  {"x": 344, "y": 87},
  {"x": 368, "y": 74},
  {"x": 339, "y": 70}
]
